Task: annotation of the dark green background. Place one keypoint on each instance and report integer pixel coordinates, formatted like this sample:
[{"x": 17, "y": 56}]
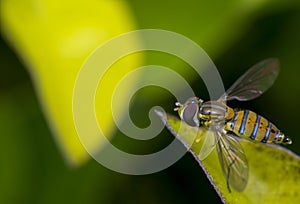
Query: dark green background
[{"x": 32, "y": 170}]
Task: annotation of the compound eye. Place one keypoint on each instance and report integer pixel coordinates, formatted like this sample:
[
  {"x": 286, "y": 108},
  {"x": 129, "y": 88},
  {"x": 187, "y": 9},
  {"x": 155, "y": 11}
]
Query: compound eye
[{"x": 190, "y": 114}]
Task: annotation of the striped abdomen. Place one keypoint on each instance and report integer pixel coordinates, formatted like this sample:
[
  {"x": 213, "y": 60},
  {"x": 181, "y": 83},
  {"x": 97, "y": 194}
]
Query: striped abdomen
[{"x": 248, "y": 124}]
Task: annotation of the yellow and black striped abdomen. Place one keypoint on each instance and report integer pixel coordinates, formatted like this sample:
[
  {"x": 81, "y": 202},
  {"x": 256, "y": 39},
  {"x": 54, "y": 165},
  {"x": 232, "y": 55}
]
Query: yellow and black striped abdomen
[{"x": 250, "y": 125}]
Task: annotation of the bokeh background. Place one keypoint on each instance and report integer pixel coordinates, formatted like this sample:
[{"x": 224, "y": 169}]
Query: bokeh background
[{"x": 236, "y": 35}]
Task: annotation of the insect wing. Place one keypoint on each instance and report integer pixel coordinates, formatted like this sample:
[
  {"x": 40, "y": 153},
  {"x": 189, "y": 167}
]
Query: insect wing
[
  {"x": 254, "y": 82},
  {"x": 233, "y": 161},
  {"x": 208, "y": 145}
]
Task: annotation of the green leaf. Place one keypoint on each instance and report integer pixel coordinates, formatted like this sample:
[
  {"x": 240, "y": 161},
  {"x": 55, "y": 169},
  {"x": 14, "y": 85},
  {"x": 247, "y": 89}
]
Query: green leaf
[
  {"x": 274, "y": 171},
  {"x": 54, "y": 38}
]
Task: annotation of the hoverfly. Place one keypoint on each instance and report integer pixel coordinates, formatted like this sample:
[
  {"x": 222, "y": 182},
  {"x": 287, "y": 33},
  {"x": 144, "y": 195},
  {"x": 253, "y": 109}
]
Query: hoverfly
[{"x": 227, "y": 123}]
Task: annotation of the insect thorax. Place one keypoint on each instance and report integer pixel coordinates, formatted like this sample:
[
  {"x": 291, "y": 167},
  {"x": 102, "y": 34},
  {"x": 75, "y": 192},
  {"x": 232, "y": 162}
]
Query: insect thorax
[{"x": 215, "y": 112}]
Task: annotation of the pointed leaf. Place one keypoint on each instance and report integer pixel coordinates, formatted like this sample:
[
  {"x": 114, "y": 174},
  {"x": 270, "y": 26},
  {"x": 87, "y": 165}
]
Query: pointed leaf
[{"x": 274, "y": 171}]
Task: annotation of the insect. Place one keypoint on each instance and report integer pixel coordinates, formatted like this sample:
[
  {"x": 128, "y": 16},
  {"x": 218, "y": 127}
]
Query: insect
[{"x": 227, "y": 123}]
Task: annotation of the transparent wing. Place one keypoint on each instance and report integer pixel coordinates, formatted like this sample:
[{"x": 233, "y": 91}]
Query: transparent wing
[
  {"x": 233, "y": 161},
  {"x": 254, "y": 82},
  {"x": 208, "y": 146}
]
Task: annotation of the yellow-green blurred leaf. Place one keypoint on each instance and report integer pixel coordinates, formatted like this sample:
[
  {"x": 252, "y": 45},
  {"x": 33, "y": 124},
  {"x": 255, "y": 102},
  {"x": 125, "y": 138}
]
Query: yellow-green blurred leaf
[
  {"x": 54, "y": 38},
  {"x": 274, "y": 172}
]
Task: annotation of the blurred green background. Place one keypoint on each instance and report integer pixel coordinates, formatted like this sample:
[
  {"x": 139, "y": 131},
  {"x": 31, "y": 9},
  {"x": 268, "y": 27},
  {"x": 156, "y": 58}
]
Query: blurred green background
[{"x": 236, "y": 35}]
